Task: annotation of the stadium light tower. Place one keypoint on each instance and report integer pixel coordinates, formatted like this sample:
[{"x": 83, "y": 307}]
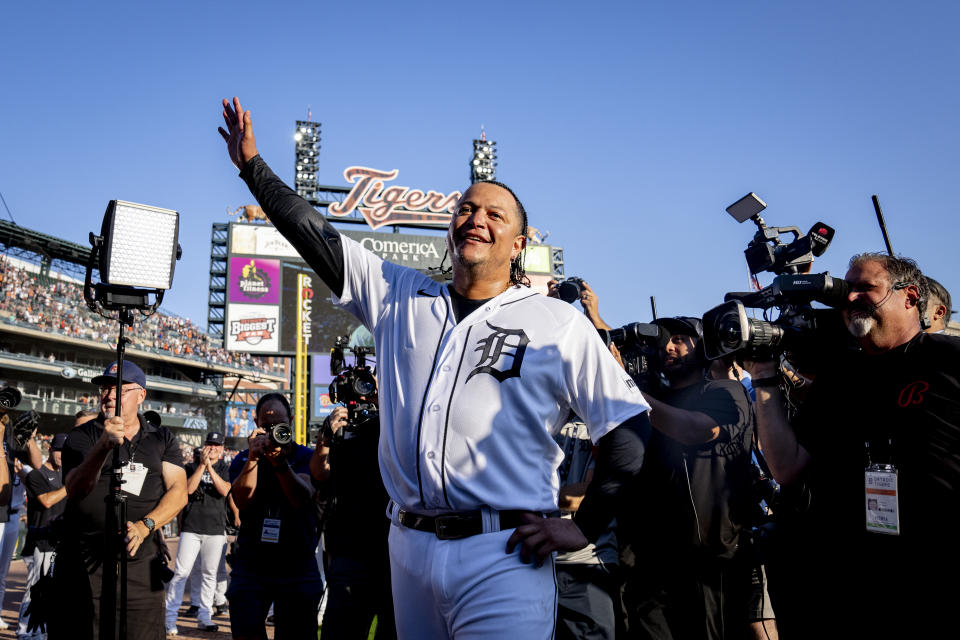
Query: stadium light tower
[
  {"x": 483, "y": 166},
  {"x": 307, "y": 137}
]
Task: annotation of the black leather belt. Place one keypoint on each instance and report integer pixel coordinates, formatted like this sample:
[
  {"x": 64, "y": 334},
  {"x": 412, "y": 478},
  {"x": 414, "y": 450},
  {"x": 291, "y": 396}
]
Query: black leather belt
[{"x": 453, "y": 526}]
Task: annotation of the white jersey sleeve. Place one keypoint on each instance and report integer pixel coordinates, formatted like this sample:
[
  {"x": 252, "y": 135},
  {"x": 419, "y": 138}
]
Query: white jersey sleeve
[
  {"x": 598, "y": 389},
  {"x": 370, "y": 283}
]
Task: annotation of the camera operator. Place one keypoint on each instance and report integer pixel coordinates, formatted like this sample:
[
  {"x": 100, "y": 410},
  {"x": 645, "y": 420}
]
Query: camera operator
[
  {"x": 693, "y": 496},
  {"x": 881, "y": 427},
  {"x": 46, "y": 495},
  {"x": 154, "y": 487},
  {"x": 355, "y": 529},
  {"x": 275, "y": 560},
  {"x": 203, "y": 532}
]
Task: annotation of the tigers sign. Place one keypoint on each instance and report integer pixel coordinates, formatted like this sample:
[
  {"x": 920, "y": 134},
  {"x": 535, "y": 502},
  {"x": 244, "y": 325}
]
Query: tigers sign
[{"x": 382, "y": 205}]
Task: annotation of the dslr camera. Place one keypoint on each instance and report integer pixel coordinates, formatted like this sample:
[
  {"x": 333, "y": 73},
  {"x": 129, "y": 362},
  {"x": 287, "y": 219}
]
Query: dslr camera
[
  {"x": 570, "y": 289},
  {"x": 279, "y": 433}
]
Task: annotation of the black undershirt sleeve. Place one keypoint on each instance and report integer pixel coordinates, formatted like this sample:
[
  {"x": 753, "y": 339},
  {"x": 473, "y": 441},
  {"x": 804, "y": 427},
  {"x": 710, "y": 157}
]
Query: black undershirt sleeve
[
  {"x": 619, "y": 459},
  {"x": 311, "y": 235}
]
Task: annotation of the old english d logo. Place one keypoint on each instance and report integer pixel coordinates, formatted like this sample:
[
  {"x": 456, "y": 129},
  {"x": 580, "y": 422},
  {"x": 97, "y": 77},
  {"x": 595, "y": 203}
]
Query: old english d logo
[
  {"x": 492, "y": 349},
  {"x": 913, "y": 393}
]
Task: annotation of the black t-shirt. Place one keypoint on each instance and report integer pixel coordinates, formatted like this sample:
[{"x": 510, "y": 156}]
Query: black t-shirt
[
  {"x": 356, "y": 516},
  {"x": 151, "y": 446},
  {"x": 697, "y": 496},
  {"x": 906, "y": 404},
  {"x": 293, "y": 556},
  {"x": 206, "y": 510},
  {"x": 40, "y": 481},
  {"x": 892, "y": 585}
]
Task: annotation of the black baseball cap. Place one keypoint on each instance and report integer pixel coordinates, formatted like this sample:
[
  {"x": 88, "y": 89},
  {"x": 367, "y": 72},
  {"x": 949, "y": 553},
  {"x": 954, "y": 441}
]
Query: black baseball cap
[
  {"x": 58, "y": 441},
  {"x": 214, "y": 437},
  {"x": 681, "y": 325}
]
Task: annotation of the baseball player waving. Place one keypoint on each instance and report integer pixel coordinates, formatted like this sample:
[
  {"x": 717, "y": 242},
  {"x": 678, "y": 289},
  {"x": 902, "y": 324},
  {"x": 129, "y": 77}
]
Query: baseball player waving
[{"x": 475, "y": 379}]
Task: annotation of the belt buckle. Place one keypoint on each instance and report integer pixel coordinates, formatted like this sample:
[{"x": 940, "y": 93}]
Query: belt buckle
[{"x": 444, "y": 524}]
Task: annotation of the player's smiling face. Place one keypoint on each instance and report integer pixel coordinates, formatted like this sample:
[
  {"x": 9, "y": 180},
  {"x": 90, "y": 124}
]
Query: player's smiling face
[{"x": 485, "y": 228}]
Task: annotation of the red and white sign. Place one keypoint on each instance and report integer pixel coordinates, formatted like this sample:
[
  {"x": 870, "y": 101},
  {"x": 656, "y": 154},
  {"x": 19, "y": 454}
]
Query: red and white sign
[{"x": 381, "y": 205}]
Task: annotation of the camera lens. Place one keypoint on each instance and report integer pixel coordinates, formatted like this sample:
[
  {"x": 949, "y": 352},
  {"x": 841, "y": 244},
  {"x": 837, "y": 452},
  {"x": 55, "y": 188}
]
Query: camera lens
[
  {"x": 10, "y": 397},
  {"x": 729, "y": 332},
  {"x": 280, "y": 433},
  {"x": 569, "y": 290}
]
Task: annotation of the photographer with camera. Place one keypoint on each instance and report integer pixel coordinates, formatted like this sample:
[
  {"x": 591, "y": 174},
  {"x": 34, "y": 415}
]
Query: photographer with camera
[
  {"x": 275, "y": 560},
  {"x": 693, "y": 496},
  {"x": 202, "y": 532},
  {"x": 355, "y": 531},
  {"x": 881, "y": 428},
  {"x": 154, "y": 487}
]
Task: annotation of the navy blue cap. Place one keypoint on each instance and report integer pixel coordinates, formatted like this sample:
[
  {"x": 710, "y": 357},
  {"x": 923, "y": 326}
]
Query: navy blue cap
[
  {"x": 57, "y": 443},
  {"x": 214, "y": 437},
  {"x": 131, "y": 373}
]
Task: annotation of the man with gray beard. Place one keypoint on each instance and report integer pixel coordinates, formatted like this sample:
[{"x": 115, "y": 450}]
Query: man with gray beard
[{"x": 875, "y": 451}]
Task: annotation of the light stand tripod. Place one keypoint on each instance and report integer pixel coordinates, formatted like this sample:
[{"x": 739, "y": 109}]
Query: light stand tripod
[
  {"x": 138, "y": 248},
  {"x": 114, "y": 551}
]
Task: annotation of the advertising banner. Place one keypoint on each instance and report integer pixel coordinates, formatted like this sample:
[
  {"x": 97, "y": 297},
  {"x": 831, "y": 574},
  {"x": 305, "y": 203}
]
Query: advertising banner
[
  {"x": 254, "y": 280},
  {"x": 260, "y": 240},
  {"x": 326, "y": 321},
  {"x": 253, "y": 328}
]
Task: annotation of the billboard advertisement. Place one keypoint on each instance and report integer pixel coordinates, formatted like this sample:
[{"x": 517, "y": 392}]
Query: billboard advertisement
[
  {"x": 254, "y": 280},
  {"x": 253, "y": 328}
]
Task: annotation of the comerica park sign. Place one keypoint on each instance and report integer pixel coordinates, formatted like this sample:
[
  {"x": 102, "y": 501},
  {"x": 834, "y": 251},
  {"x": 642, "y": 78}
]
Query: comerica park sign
[{"x": 382, "y": 205}]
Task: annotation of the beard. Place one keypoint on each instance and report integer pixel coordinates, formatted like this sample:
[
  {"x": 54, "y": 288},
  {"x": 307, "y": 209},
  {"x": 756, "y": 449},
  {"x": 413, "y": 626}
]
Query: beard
[{"x": 861, "y": 326}]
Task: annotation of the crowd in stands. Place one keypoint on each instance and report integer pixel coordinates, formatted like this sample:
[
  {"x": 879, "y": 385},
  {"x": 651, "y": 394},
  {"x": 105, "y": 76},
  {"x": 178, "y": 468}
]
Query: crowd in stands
[{"x": 56, "y": 306}]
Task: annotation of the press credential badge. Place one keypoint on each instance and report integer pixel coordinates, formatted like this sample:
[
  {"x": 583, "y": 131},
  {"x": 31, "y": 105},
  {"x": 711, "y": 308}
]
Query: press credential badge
[{"x": 883, "y": 514}]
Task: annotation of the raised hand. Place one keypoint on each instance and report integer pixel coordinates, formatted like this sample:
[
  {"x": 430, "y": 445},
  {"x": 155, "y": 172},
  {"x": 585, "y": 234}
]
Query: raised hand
[{"x": 241, "y": 144}]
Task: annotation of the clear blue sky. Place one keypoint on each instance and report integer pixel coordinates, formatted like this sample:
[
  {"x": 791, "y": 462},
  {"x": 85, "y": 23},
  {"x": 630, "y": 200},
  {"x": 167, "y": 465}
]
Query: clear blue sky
[{"x": 625, "y": 127}]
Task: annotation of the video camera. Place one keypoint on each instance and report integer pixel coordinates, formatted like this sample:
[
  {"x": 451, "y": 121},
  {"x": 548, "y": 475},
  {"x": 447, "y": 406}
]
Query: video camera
[
  {"x": 355, "y": 386},
  {"x": 638, "y": 343},
  {"x": 798, "y": 328},
  {"x": 26, "y": 423}
]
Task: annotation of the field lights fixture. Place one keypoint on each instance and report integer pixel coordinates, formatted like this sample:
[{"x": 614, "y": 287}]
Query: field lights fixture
[
  {"x": 483, "y": 166},
  {"x": 307, "y": 137}
]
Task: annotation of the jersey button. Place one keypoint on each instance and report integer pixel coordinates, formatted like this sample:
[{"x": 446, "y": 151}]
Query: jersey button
[
  {"x": 435, "y": 407},
  {"x": 486, "y": 308},
  {"x": 431, "y": 455},
  {"x": 445, "y": 367}
]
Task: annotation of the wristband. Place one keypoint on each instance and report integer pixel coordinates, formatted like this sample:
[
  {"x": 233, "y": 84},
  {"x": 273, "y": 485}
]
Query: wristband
[{"x": 770, "y": 381}]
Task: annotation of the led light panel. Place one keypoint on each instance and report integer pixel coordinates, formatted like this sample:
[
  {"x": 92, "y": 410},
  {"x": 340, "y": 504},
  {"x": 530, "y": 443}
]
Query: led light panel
[{"x": 140, "y": 245}]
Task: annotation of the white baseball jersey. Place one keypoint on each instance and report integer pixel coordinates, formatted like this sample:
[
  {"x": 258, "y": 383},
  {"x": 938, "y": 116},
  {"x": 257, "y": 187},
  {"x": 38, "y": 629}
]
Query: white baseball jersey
[{"x": 469, "y": 410}]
